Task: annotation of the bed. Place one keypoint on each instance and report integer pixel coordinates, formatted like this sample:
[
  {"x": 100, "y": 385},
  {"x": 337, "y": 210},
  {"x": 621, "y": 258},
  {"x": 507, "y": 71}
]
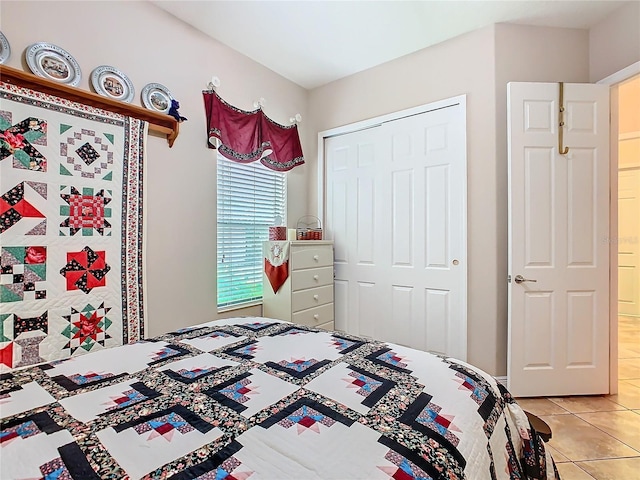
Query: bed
[{"x": 263, "y": 399}]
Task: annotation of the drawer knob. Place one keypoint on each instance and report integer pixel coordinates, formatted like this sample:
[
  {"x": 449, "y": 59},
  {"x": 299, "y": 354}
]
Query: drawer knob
[
  {"x": 316, "y": 316},
  {"x": 316, "y": 277},
  {"x": 316, "y": 297},
  {"x": 316, "y": 258}
]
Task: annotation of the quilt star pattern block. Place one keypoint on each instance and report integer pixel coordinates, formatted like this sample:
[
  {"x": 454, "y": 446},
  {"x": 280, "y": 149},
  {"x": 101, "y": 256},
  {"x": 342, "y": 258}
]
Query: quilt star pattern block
[
  {"x": 344, "y": 345},
  {"x": 403, "y": 468},
  {"x": 47, "y": 439},
  {"x": 85, "y": 212},
  {"x": 96, "y": 404},
  {"x": 426, "y": 417},
  {"x": 195, "y": 369},
  {"x": 23, "y": 430},
  {"x": 87, "y": 327},
  {"x": 478, "y": 390},
  {"x": 164, "y": 426},
  {"x": 71, "y": 183},
  {"x": 251, "y": 391},
  {"x": 221, "y": 465},
  {"x": 15, "y": 207},
  {"x": 20, "y": 140},
  {"x": 361, "y": 390},
  {"x": 307, "y": 418},
  {"x": 211, "y": 341},
  {"x": 23, "y": 271},
  {"x": 130, "y": 397},
  {"x": 170, "y": 433},
  {"x": 85, "y": 270},
  {"x": 86, "y": 153}
]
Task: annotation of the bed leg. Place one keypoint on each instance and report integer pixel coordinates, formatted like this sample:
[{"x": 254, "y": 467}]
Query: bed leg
[{"x": 539, "y": 426}]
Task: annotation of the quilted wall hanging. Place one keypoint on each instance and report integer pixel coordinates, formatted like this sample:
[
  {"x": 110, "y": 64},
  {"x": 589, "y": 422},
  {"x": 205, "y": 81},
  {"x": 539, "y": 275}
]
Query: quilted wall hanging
[{"x": 70, "y": 228}]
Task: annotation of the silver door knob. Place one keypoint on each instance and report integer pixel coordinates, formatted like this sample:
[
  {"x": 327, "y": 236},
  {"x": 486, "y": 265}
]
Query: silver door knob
[{"x": 520, "y": 279}]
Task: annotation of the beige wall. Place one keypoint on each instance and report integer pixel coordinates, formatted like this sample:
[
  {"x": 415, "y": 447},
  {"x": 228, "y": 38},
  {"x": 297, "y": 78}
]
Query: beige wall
[
  {"x": 463, "y": 65},
  {"x": 149, "y": 45},
  {"x": 526, "y": 54},
  {"x": 614, "y": 43},
  {"x": 478, "y": 64}
]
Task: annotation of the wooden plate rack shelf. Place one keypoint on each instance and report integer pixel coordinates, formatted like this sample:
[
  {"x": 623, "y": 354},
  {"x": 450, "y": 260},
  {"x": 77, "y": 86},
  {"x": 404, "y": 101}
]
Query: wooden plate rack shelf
[{"x": 160, "y": 123}]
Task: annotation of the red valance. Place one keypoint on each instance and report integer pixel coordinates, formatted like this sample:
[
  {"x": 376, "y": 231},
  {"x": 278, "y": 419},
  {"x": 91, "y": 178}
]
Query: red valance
[{"x": 246, "y": 136}]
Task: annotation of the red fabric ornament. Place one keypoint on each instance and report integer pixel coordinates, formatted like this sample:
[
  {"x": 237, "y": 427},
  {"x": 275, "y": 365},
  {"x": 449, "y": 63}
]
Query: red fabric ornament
[{"x": 277, "y": 275}]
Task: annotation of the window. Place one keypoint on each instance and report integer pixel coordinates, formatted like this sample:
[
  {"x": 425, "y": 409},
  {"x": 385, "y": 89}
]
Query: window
[{"x": 250, "y": 197}]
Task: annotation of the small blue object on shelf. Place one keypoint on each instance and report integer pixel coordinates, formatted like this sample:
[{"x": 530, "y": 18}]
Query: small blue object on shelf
[{"x": 173, "y": 111}]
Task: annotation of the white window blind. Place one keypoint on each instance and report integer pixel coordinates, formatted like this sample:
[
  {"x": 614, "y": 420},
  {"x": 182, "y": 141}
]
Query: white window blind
[{"x": 250, "y": 196}]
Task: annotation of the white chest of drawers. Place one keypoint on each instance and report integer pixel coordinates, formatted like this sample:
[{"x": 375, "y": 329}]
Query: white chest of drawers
[{"x": 307, "y": 295}]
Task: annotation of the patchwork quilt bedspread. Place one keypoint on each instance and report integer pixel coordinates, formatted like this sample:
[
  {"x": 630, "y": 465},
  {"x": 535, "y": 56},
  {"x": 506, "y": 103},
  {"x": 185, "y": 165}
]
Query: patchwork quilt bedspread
[{"x": 263, "y": 399}]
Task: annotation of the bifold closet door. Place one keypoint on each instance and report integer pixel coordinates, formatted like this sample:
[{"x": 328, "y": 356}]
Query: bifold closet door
[{"x": 395, "y": 208}]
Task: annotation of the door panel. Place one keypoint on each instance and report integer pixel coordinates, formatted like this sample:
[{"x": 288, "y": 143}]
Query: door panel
[
  {"x": 437, "y": 234},
  {"x": 402, "y": 214},
  {"x": 341, "y": 306},
  {"x": 539, "y": 205},
  {"x": 366, "y": 221},
  {"x": 350, "y": 221},
  {"x": 582, "y": 323},
  {"x": 367, "y": 302},
  {"x": 538, "y": 328},
  {"x": 396, "y": 212},
  {"x": 558, "y": 226},
  {"x": 582, "y": 213},
  {"x": 401, "y": 307},
  {"x": 436, "y": 307}
]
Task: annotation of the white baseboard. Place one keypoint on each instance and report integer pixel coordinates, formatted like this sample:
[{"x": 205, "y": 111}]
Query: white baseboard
[{"x": 502, "y": 381}]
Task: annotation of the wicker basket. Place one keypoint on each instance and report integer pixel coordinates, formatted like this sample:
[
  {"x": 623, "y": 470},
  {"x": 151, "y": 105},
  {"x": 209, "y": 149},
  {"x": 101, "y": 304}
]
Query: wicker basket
[{"x": 309, "y": 228}]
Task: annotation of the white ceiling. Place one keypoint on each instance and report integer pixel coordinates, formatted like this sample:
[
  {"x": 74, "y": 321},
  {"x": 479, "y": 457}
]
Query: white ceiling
[{"x": 315, "y": 42}]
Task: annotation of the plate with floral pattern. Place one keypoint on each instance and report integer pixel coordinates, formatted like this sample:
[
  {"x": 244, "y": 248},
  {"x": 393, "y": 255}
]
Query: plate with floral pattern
[
  {"x": 5, "y": 49},
  {"x": 156, "y": 96},
  {"x": 111, "y": 82},
  {"x": 52, "y": 62}
]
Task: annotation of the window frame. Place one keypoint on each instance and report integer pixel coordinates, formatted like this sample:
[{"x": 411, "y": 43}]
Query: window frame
[{"x": 241, "y": 229}]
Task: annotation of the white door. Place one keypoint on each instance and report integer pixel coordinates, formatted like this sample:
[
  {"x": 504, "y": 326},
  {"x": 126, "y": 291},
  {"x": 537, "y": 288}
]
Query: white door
[
  {"x": 629, "y": 242},
  {"x": 395, "y": 208},
  {"x": 558, "y": 240}
]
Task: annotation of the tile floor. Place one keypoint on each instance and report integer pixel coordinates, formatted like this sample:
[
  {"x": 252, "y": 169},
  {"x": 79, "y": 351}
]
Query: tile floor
[{"x": 598, "y": 437}]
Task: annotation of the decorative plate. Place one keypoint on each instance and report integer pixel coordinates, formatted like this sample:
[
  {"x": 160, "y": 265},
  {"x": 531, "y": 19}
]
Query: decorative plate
[
  {"x": 111, "y": 82},
  {"x": 5, "y": 49},
  {"x": 156, "y": 97},
  {"x": 52, "y": 62}
]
